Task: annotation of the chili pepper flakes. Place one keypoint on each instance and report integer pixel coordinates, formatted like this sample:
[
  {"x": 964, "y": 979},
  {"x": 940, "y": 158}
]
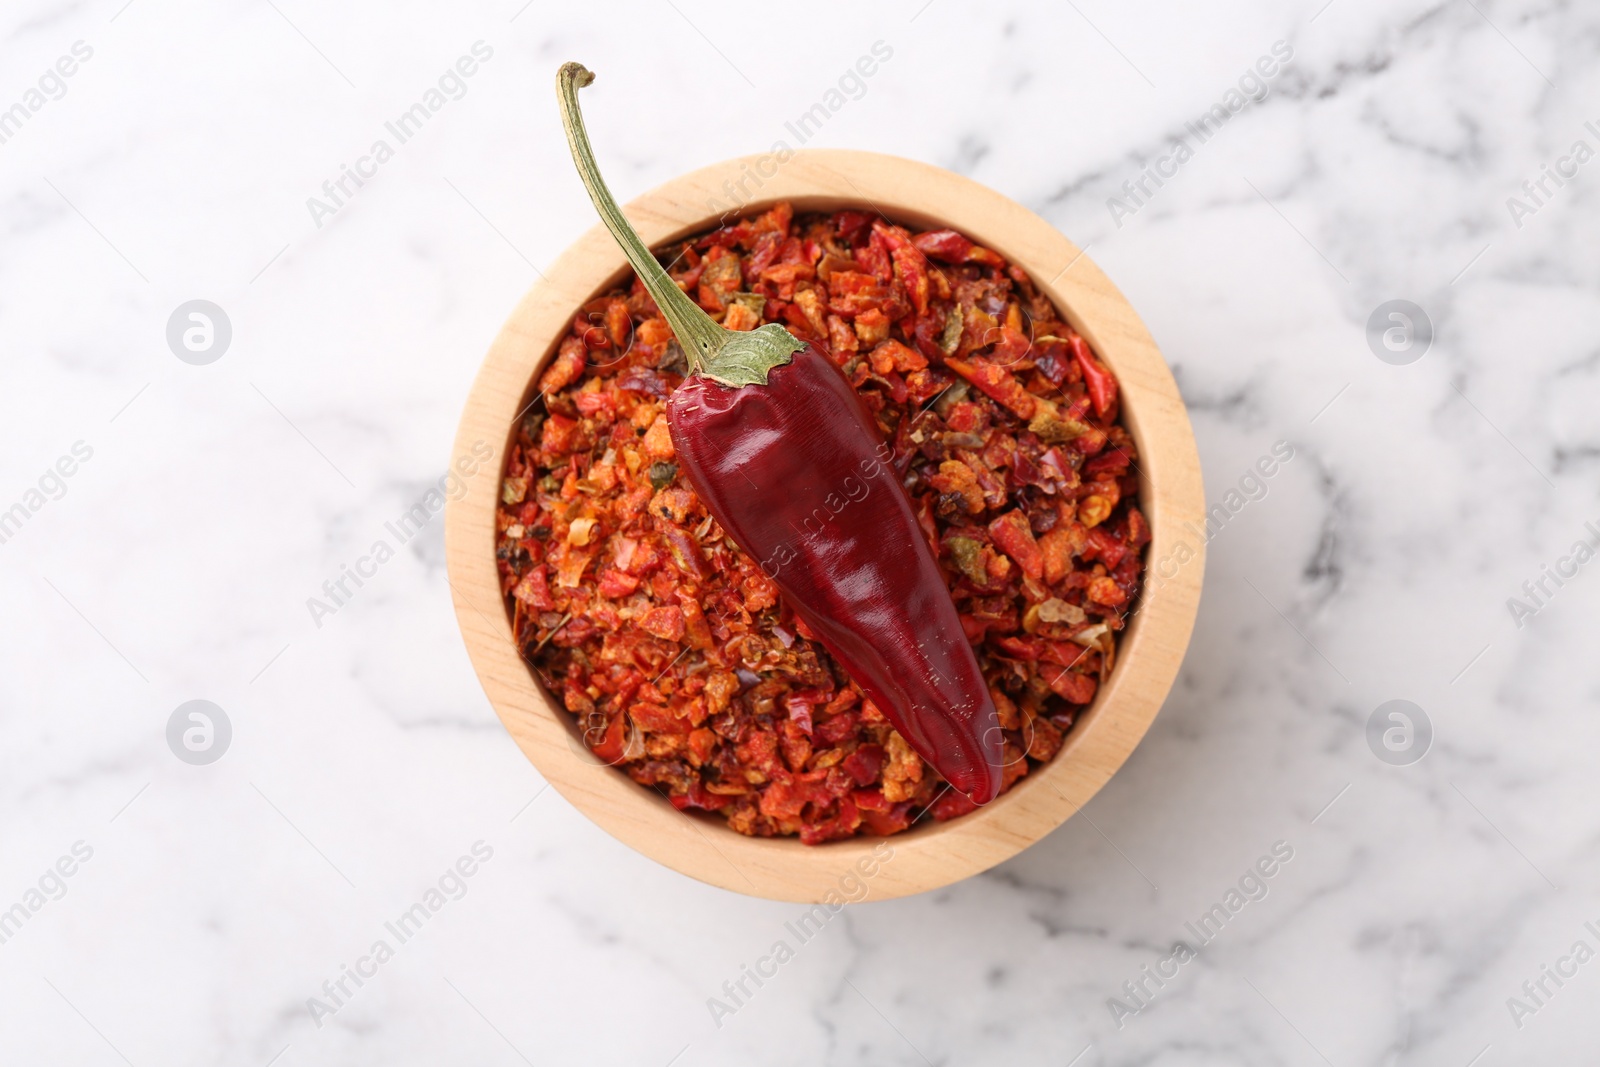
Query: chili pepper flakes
[{"x": 673, "y": 648}]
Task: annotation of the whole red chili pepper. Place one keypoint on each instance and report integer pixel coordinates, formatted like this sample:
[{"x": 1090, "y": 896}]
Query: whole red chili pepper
[{"x": 785, "y": 458}]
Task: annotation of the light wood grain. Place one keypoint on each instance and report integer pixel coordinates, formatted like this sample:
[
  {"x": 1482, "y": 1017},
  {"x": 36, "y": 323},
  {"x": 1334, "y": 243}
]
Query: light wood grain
[{"x": 1150, "y": 650}]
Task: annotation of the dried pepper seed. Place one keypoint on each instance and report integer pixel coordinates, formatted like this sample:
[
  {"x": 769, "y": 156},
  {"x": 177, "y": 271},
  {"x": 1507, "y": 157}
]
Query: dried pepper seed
[{"x": 662, "y": 474}]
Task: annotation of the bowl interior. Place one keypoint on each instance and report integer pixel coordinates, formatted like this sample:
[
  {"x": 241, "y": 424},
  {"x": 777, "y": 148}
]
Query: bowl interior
[
  {"x": 917, "y": 220},
  {"x": 1148, "y": 650}
]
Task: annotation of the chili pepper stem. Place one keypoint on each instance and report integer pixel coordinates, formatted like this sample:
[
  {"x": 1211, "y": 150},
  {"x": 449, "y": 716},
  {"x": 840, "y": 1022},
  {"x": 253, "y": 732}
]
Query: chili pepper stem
[{"x": 732, "y": 357}]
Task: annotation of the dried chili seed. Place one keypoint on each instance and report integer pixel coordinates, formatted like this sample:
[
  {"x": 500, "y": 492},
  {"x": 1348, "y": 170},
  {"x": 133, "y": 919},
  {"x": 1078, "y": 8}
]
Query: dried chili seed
[{"x": 662, "y": 474}]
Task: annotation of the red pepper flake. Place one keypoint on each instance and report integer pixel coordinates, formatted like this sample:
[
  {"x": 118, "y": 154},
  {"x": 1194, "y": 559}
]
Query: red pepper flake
[
  {"x": 1102, "y": 385},
  {"x": 958, "y": 480},
  {"x": 871, "y": 800},
  {"x": 694, "y": 621},
  {"x": 1103, "y": 545},
  {"x": 1058, "y": 547},
  {"x": 534, "y": 589},
  {"x": 894, "y": 356},
  {"x": 911, "y": 269},
  {"x": 559, "y": 434},
  {"x": 952, "y": 804},
  {"x": 997, "y": 382},
  {"x": 1106, "y": 591},
  {"x": 842, "y": 824},
  {"x": 657, "y": 719},
  {"x": 951, "y": 247},
  {"x": 673, "y": 650},
  {"x": 872, "y": 327},
  {"x": 657, "y": 440},
  {"x": 1011, "y": 347},
  {"x": 864, "y": 764},
  {"x": 665, "y": 623},
  {"x": 873, "y": 257},
  {"x": 699, "y": 797},
  {"x": 568, "y": 365},
  {"x": 799, "y": 706},
  {"x": 838, "y": 728},
  {"x": 1010, "y": 531},
  {"x": 947, "y": 245},
  {"x": 1073, "y": 687},
  {"x": 615, "y": 584},
  {"x": 882, "y": 824},
  {"x": 611, "y": 746}
]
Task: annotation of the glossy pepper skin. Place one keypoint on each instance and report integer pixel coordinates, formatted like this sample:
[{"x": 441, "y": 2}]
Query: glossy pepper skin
[
  {"x": 797, "y": 474},
  {"x": 784, "y": 456}
]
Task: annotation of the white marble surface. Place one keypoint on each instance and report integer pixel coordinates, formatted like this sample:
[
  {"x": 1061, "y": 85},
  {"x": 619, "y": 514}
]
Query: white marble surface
[{"x": 365, "y": 759}]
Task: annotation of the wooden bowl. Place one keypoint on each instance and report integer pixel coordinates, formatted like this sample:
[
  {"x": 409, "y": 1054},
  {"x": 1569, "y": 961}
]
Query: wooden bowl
[{"x": 932, "y": 854}]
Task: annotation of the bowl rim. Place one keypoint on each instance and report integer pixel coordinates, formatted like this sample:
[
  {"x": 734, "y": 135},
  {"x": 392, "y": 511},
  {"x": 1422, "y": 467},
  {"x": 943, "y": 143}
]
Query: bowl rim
[{"x": 1149, "y": 652}]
